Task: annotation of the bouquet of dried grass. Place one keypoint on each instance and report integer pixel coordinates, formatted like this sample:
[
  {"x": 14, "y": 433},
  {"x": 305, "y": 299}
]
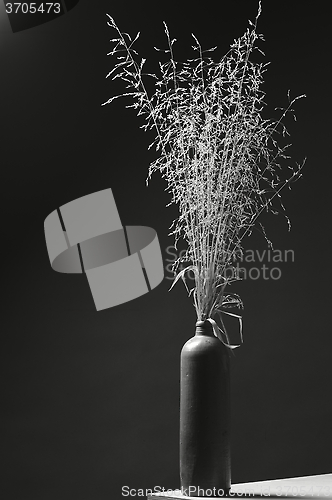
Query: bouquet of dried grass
[{"x": 220, "y": 158}]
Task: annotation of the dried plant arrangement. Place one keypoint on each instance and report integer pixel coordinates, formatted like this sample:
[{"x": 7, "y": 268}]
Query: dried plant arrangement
[{"x": 223, "y": 161}]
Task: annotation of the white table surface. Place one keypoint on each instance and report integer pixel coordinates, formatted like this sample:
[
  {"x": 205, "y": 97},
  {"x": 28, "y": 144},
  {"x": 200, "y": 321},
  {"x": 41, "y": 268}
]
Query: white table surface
[{"x": 318, "y": 486}]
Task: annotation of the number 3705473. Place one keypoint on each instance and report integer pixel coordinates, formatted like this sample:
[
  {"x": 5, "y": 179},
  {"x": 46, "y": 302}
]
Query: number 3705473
[{"x": 33, "y": 8}]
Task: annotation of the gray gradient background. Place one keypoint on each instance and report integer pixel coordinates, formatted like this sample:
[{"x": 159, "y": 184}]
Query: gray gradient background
[{"x": 91, "y": 398}]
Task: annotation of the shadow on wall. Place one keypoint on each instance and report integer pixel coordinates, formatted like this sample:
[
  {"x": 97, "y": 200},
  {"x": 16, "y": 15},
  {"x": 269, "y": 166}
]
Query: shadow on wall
[{"x": 23, "y": 16}]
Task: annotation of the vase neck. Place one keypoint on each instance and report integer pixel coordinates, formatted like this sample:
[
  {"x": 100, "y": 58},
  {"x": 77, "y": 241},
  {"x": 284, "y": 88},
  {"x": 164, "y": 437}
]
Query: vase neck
[{"x": 204, "y": 328}]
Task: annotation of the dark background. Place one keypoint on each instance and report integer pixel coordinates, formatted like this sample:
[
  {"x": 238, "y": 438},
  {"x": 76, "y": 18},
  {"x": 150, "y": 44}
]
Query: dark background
[{"x": 91, "y": 399}]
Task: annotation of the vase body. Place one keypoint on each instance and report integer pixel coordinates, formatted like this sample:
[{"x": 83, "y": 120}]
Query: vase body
[{"x": 205, "y": 454}]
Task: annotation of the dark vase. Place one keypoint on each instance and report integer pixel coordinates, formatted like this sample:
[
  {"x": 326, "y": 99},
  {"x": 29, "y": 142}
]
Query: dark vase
[{"x": 205, "y": 454}]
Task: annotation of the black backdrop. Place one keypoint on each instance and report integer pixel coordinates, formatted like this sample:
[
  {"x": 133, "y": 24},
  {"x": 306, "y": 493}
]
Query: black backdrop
[{"x": 91, "y": 398}]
